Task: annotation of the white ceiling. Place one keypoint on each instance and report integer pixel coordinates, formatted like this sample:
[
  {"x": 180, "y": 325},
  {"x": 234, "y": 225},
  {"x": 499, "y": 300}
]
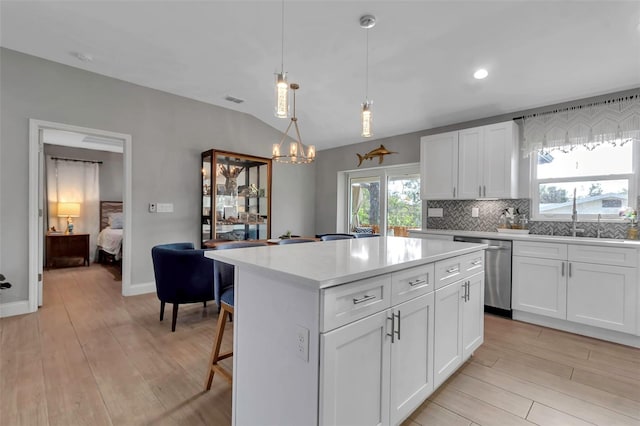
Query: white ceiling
[{"x": 422, "y": 54}]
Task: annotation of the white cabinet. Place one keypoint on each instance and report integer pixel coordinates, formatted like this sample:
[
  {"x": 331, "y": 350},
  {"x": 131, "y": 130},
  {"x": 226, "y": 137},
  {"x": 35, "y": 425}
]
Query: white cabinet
[
  {"x": 448, "y": 343},
  {"x": 602, "y": 296},
  {"x": 592, "y": 285},
  {"x": 471, "y": 163},
  {"x": 458, "y": 332},
  {"x": 355, "y": 373},
  {"x": 379, "y": 369},
  {"x": 411, "y": 356},
  {"x": 539, "y": 286},
  {"x": 472, "y": 309},
  {"x": 439, "y": 166}
]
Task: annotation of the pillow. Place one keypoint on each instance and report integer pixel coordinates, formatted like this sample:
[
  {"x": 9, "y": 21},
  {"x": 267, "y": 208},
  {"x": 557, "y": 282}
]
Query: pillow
[{"x": 115, "y": 220}]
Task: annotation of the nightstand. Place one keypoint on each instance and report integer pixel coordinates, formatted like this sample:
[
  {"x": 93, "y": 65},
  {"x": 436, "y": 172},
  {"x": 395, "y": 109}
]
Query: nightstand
[{"x": 67, "y": 246}]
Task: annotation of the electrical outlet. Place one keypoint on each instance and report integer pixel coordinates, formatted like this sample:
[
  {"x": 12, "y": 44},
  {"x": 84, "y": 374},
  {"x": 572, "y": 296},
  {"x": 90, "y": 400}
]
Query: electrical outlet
[
  {"x": 153, "y": 207},
  {"x": 475, "y": 211},
  {"x": 302, "y": 343}
]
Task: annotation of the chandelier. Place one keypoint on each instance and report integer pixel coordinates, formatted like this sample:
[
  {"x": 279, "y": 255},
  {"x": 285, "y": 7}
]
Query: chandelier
[{"x": 297, "y": 153}]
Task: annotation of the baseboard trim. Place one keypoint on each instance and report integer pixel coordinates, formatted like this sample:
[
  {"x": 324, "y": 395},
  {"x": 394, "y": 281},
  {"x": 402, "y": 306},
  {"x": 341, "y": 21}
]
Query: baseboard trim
[
  {"x": 11, "y": 309},
  {"x": 584, "y": 330},
  {"x": 140, "y": 288}
]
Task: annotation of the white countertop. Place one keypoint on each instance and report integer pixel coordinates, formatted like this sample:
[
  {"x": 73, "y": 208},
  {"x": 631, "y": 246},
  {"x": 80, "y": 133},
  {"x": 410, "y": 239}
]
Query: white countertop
[
  {"x": 607, "y": 242},
  {"x": 328, "y": 263}
]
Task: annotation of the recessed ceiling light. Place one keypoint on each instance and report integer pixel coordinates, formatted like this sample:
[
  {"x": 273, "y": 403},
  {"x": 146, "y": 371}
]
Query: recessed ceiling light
[{"x": 481, "y": 73}]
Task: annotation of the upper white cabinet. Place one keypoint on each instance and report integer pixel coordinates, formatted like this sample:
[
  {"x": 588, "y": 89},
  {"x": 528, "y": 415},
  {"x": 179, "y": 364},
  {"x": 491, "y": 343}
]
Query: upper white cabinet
[
  {"x": 439, "y": 166},
  {"x": 481, "y": 162}
]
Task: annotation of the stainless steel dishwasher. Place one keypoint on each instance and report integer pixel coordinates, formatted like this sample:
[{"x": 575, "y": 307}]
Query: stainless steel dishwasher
[{"x": 497, "y": 274}]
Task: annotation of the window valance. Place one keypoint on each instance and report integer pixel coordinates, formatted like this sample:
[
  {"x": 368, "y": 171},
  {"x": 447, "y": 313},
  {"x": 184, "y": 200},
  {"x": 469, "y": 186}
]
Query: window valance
[{"x": 615, "y": 121}]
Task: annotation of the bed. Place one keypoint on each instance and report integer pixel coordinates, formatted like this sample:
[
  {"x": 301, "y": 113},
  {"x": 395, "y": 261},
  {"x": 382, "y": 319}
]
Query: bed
[{"x": 110, "y": 237}]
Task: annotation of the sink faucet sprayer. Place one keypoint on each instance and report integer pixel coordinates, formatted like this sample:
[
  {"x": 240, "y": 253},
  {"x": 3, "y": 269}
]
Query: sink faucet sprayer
[
  {"x": 574, "y": 217},
  {"x": 599, "y": 231}
]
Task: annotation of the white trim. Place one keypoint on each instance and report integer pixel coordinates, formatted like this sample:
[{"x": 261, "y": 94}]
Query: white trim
[
  {"x": 383, "y": 172},
  {"x": 14, "y": 308},
  {"x": 633, "y": 179},
  {"x": 140, "y": 288},
  {"x": 584, "y": 330},
  {"x": 34, "y": 196}
]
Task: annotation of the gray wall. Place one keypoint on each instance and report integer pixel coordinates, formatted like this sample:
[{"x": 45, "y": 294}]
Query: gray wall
[
  {"x": 168, "y": 134},
  {"x": 332, "y": 161},
  {"x": 111, "y": 169}
]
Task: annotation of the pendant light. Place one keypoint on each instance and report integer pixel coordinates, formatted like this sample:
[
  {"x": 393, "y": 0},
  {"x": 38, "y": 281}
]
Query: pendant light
[
  {"x": 282, "y": 87},
  {"x": 367, "y": 22},
  {"x": 297, "y": 154}
]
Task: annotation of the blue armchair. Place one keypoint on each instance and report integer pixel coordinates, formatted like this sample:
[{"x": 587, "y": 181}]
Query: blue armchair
[{"x": 183, "y": 275}]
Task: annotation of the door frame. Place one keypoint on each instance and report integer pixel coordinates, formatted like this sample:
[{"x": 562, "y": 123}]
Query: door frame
[
  {"x": 344, "y": 191},
  {"x": 36, "y": 197}
]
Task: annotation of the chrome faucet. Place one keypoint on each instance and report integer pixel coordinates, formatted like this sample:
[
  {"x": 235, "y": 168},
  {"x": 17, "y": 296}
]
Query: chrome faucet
[
  {"x": 574, "y": 220},
  {"x": 599, "y": 231}
]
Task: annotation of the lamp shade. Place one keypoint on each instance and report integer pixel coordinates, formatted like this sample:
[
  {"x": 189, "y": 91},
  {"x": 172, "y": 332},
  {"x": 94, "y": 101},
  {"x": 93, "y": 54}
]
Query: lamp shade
[{"x": 68, "y": 209}]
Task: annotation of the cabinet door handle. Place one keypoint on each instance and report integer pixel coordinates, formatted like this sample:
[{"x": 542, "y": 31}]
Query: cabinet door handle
[
  {"x": 569, "y": 269},
  {"x": 393, "y": 327},
  {"x": 452, "y": 270},
  {"x": 398, "y": 332},
  {"x": 364, "y": 299},
  {"x": 562, "y": 272},
  {"x": 454, "y": 192},
  {"x": 468, "y": 290},
  {"x": 479, "y": 191},
  {"x": 464, "y": 295},
  {"x": 416, "y": 282}
]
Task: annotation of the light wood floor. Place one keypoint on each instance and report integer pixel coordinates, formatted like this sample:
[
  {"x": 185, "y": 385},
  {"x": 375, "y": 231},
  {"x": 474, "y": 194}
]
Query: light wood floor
[{"x": 92, "y": 357}]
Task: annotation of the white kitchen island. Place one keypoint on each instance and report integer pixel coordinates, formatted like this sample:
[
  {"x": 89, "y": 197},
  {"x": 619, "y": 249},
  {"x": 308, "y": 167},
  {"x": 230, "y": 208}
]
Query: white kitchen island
[{"x": 356, "y": 331}]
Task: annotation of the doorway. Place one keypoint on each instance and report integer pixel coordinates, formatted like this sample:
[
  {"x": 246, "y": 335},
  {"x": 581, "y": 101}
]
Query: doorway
[{"x": 78, "y": 137}]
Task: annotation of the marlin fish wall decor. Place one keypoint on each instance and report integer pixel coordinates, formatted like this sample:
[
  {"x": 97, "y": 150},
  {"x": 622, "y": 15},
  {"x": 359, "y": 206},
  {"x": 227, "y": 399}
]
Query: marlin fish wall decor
[{"x": 379, "y": 152}]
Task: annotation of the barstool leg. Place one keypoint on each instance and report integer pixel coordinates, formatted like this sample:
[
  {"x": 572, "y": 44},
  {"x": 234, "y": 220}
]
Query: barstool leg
[{"x": 215, "y": 350}]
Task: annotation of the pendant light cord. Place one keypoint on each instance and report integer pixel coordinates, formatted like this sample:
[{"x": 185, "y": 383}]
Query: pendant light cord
[
  {"x": 282, "y": 41},
  {"x": 366, "y": 78}
]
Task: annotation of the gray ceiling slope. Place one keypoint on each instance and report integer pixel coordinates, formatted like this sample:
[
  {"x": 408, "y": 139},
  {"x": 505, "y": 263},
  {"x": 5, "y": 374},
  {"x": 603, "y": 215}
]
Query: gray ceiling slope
[{"x": 422, "y": 55}]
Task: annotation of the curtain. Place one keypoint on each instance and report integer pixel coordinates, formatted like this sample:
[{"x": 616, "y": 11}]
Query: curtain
[
  {"x": 356, "y": 202},
  {"x": 70, "y": 181},
  {"x": 613, "y": 122}
]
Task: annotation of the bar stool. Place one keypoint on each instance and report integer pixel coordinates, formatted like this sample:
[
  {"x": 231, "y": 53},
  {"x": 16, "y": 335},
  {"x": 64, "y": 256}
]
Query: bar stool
[
  {"x": 226, "y": 309},
  {"x": 223, "y": 280}
]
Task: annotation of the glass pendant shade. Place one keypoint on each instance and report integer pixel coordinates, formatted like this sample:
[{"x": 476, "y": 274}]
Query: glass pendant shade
[
  {"x": 282, "y": 95},
  {"x": 367, "y": 119}
]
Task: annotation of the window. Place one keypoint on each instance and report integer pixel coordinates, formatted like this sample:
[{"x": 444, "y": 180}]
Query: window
[
  {"x": 385, "y": 198},
  {"x": 604, "y": 181}
]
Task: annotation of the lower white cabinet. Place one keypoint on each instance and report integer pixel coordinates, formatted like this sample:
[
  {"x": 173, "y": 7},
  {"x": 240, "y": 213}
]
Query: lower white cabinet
[
  {"x": 458, "y": 332},
  {"x": 602, "y": 296},
  {"x": 554, "y": 280},
  {"x": 377, "y": 370},
  {"x": 539, "y": 286}
]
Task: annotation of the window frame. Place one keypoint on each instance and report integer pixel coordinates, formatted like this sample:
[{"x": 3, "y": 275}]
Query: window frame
[
  {"x": 383, "y": 173},
  {"x": 633, "y": 179}
]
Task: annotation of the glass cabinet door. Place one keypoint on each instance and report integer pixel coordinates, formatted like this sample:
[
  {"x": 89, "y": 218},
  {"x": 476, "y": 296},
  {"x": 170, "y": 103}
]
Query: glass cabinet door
[
  {"x": 206, "y": 211},
  {"x": 238, "y": 206}
]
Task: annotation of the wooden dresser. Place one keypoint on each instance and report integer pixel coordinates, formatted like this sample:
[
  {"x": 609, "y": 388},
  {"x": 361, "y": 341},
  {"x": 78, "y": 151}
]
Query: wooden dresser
[{"x": 67, "y": 246}]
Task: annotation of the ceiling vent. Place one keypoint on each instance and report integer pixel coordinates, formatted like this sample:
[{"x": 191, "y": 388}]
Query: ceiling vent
[{"x": 234, "y": 100}]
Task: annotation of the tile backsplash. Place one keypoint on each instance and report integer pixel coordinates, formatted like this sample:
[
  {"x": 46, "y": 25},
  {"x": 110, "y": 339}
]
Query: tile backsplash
[{"x": 457, "y": 215}]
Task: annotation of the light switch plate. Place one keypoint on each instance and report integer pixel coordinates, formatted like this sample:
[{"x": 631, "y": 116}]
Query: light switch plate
[{"x": 152, "y": 207}]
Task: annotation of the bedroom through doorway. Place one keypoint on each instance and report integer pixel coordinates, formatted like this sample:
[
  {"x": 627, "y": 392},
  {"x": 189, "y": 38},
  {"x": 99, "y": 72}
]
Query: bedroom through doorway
[{"x": 79, "y": 196}]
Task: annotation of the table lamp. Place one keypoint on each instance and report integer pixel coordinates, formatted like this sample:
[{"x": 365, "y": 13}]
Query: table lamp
[{"x": 69, "y": 210}]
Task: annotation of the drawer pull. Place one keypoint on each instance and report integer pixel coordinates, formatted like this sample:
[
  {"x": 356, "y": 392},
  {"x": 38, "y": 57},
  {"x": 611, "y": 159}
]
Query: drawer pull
[
  {"x": 416, "y": 282},
  {"x": 477, "y": 262},
  {"x": 452, "y": 270},
  {"x": 363, "y": 299}
]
